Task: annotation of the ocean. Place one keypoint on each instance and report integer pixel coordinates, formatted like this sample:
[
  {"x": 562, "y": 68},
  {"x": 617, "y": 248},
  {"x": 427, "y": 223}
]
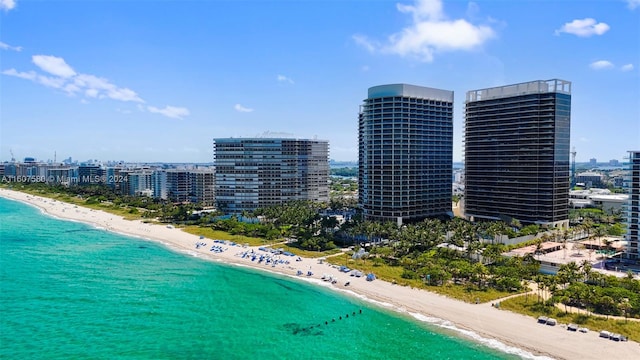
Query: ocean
[{"x": 72, "y": 291}]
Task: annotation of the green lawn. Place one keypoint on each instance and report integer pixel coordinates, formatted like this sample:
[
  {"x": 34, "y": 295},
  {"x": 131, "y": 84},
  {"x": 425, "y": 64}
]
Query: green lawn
[
  {"x": 309, "y": 253},
  {"x": 393, "y": 274},
  {"x": 254, "y": 241},
  {"x": 221, "y": 235},
  {"x": 528, "y": 305}
]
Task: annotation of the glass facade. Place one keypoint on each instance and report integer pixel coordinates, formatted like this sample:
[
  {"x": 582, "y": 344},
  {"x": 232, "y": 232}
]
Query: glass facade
[
  {"x": 517, "y": 153},
  {"x": 405, "y": 153},
  {"x": 260, "y": 172}
]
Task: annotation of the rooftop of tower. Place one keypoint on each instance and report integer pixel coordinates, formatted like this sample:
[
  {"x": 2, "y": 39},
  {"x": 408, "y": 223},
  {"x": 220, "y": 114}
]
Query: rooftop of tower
[
  {"x": 408, "y": 90},
  {"x": 526, "y": 88}
]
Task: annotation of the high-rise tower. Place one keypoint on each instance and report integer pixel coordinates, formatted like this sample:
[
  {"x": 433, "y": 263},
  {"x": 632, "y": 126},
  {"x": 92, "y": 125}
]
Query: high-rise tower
[
  {"x": 254, "y": 173},
  {"x": 632, "y": 183},
  {"x": 517, "y": 153},
  {"x": 405, "y": 153}
]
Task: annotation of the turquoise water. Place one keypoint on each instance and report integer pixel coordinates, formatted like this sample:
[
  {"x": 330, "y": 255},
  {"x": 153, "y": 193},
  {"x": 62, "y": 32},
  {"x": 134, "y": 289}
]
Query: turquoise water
[{"x": 70, "y": 291}]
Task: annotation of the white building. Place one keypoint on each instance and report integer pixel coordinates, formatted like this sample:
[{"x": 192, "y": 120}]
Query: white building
[
  {"x": 254, "y": 173},
  {"x": 597, "y": 198}
]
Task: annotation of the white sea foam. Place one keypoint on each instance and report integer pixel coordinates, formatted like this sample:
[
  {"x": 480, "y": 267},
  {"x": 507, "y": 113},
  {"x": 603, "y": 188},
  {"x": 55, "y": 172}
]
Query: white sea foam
[
  {"x": 445, "y": 324},
  {"x": 492, "y": 343}
]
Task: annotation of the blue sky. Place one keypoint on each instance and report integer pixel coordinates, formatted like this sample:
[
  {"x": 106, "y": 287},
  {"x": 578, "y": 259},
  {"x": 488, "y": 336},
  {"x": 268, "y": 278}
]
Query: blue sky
[{"x": 158, "y": 80}]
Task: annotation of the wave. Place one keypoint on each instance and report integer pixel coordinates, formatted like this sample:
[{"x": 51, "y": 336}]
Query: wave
[{"x": 492, "y": 343}]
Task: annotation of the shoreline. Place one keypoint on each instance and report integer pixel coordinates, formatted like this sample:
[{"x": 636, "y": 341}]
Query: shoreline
[{"x": 498, "y": 329}]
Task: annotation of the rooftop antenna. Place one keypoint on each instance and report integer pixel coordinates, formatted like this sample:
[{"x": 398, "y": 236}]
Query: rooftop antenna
[
  {"x": 54, "y": 156},
  {"x": 13, "y": 158}
]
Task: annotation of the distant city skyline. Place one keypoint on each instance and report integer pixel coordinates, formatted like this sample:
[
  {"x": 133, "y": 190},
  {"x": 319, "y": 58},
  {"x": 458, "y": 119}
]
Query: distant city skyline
[{"x": 157, "y": 81}]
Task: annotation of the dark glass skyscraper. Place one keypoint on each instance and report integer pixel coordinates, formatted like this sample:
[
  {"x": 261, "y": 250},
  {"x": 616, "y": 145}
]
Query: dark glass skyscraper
[
  {"x": 405, "y": 153},
  {"x": 517, "y": 153},
  {"x": 632, "y": 211}
]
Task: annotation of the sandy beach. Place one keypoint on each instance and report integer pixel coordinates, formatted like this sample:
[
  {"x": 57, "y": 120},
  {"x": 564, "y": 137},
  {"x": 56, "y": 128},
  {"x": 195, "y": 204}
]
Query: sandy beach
[{"x": 479, "y": 321}]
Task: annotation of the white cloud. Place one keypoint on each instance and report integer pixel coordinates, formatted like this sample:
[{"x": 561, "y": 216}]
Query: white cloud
[
  {"x": 627, "y": 67},
  {"x": 423, "y": 9},
  {"x": 71, "y": 88},
  {"x": 365, "y": 42},
  {"x": 7, "y": 5},
  {"x": 170, "y": 111},
  {"x": 584, "y": 27},
  {"x": 48, "y": 81},
  {"x": 53, "y": 65},
  {"x": 123, "y": 94},
  {"x": 5, "y": 46},
  {"x": 31, "y": 75},
  {"x": 90, "y": 86},
  {"x": 430, "y": 33},
  {"x": 97, "y": 87},
  {"x": 92, "y": 82},
  {"x": 67, "y": 79},
  {"x": 52, "y": 82},
  {"x": 601, "y": 64},
  {"x": 282, "y": 78},
  {"x": 472, "y": 10},
  {"x": 92, "y": 93},
  {"x": 241, "y": 108},
  {"x": 633, "y": 4}
]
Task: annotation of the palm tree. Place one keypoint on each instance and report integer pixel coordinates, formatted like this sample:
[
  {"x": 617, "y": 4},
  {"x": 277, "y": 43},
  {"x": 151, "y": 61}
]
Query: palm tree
[
  {"x": 539, "y": 242},
  {"x": 570, "y": 272},
  {"x": 564, "y": 299},
  {"x": 587, "y": 225},
  {"x": 473, "y": 247},
  {"x": 586, "y": 270},
  {"x": 479, "y": 272},
  {"x": 625, "y": 306},
  {"x": 600, "y": 232},
  {"x": 566, "y": 234},
  {"x": 539, "y": 280}
]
